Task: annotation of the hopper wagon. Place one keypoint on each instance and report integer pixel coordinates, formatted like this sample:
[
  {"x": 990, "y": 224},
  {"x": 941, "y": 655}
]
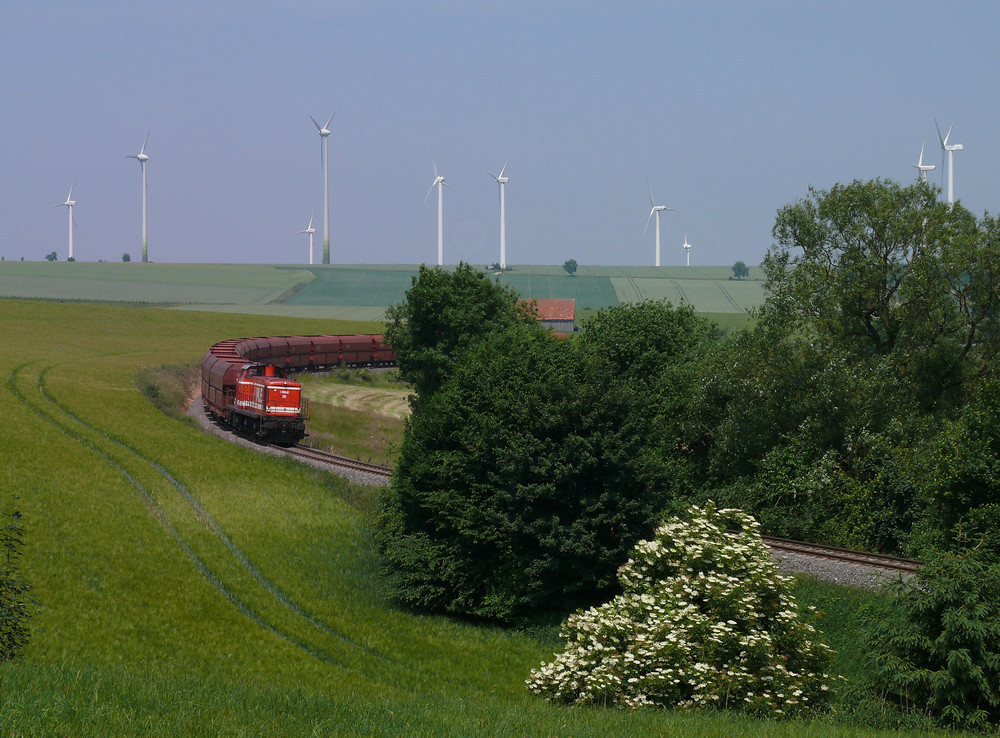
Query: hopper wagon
[{"x": 246, "y": 384}]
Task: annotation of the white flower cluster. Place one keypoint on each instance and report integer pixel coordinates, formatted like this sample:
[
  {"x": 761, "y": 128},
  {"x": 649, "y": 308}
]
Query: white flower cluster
[{"x": 704, "y": 620}]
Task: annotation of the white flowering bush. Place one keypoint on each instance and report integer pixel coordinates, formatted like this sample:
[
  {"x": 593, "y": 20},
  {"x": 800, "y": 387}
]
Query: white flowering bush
[{"x": 704, "y": 620}]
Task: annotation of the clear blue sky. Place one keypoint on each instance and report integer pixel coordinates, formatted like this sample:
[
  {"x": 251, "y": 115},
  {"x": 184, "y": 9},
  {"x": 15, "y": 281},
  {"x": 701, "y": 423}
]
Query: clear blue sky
[{"x": 731, "y": 109}]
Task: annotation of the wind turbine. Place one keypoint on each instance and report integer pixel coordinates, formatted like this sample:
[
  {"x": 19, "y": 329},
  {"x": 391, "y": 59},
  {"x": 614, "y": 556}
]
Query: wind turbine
[
  {"x": 950, "y": 149},
  {"x": 502, "y": 180},
  {"x": 655, "y": 209},
  {"x": 922, "y": 168},
  {"x": 70, "y": 202},
  {"x": 310, "y": 230},
  {"x": 439, "y": 183},
  {"x": 324, "y": 131},
  {"x": 687, "y": 248},
  {"x": 142, "y": 157}
]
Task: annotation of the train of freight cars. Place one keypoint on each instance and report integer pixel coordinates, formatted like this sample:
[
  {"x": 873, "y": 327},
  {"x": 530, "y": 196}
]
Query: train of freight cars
[{"x": 245, "y": 384}]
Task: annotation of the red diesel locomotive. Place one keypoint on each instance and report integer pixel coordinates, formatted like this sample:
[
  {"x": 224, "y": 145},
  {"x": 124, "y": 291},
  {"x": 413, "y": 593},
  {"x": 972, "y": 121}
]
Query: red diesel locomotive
[{"x": 244, "y": 381}]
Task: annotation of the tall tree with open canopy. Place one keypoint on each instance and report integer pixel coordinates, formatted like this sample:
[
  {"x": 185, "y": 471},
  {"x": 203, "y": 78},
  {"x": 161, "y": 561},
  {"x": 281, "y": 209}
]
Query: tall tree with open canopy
[{"x": 882, "y": 271}]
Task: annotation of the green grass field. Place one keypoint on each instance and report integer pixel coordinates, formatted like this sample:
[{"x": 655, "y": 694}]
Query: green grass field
[
  {"x": 359, "y": 292},
  {"x": 188, "y": 586},
  {"x": 148, "y": 283}
]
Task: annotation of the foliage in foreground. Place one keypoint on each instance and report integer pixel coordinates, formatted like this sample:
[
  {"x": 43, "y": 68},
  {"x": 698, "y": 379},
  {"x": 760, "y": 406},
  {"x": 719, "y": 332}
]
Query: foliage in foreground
[
  {"x": 704, "y": 620},
  {"x": 15, "y": 602},
  {"x": 938, "y": 652}
]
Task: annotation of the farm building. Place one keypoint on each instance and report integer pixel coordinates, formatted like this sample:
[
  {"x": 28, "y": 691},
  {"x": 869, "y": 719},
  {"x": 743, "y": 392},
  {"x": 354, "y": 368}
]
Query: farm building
[{"x": 559, "y": 315}]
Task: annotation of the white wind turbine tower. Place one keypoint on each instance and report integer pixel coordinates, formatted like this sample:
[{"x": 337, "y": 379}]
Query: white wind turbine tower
[
  {"x": 922, "y": 168},
  {"x": 310, "y": 230},
  {"x": 70, "y": 202},
  {"x": 324, "y": 132},
  {"x": 687, "y": 248},
  {"x": 439, "y": 183},
  {"x": 142, "y": 157},
  {"x": 502, "y": 180},
  {"x": 950, "y": 149},
  {"x": 655, "y": 209}
]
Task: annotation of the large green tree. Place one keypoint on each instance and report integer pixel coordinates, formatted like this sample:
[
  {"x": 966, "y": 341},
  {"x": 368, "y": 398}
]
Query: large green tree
[
  {"x": 526, "y": 478},
  {"x": 875, "y": 270},
  {"x": 829, "y": 418},
  {"x": 444, "y": 312}
]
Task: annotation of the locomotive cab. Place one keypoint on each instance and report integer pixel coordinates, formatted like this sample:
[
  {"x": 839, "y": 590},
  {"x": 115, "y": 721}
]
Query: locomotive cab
[{"x": 269, "y": 404}]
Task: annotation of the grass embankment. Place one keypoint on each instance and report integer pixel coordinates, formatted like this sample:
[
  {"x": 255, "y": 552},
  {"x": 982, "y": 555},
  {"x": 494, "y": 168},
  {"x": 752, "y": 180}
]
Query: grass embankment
[
  {"x": 357, "y": 413},
  {"x": 189, "y": 586}
]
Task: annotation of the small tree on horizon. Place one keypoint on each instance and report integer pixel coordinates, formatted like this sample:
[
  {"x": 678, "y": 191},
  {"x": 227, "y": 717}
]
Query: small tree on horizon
[
  {"x": 51, "y": 256},
  {"x": 740, "y": 270},
  {"x": 570, "y": 266},
  {"x": 126, "y": 257}
]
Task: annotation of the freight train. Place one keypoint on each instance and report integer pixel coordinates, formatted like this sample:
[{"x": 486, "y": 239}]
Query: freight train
[{"x": 245, "y": 382}]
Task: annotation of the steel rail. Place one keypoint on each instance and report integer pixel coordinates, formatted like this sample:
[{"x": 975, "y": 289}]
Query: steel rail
[
  {"x": 813, "y": 550},
  {"x": 343, "y": 462},
  {"x": 816, "y": 550}
]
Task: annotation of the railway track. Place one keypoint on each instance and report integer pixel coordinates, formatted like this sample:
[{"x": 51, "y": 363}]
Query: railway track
[
  {"x": 342, "y": 462},
  {"x": 783, "y": 545},
  {"x": 815, "y": 550}
]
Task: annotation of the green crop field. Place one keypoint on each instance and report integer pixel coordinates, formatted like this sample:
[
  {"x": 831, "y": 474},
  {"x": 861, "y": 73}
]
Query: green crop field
[
  {"x": 360, "y": 292},
  {"x": 188, "y": 586},
  {"x": 148, "y": 283}
]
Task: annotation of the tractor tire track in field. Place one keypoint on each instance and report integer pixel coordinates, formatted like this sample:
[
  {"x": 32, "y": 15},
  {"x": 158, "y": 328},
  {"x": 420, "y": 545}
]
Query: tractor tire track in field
[
  {"x": 216, "y": 530},
  {"x": 158, "y": 513},
  {"x": 729, "y": 297}
]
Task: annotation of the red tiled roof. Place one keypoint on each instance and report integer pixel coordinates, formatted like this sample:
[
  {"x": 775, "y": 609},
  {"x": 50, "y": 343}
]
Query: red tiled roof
[{"x": 552, "y": 309}]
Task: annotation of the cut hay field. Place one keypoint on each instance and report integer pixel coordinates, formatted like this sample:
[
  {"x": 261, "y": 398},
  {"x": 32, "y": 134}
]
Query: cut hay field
[
  {"x": 188, "y": 586},
  {"x": 359, "y": 292}
]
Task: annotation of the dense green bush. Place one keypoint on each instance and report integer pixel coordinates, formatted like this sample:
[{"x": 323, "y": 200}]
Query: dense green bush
[
  {"x": 15, "y": 602},
  {"x": 704, "y": 620},
  {"x": 939, "y": 652},
  {"x": 522, "y": 483},
  {"x": 526, "y": 477}
]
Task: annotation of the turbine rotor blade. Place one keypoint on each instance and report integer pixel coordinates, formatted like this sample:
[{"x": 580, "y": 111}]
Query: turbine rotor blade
[
  {"x": 327, "y": 125},
  {"x": 647, "y": 222},
  {"x": 504, "y": 167},
  {"x": 143, "y": 149},
  {"x": 318, "y": 127}
]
